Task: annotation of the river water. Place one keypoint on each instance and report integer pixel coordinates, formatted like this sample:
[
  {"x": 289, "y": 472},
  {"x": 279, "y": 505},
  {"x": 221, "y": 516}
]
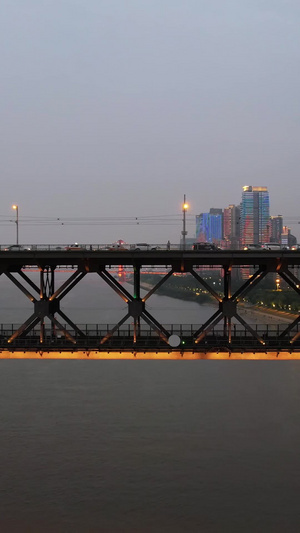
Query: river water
[{"x": 141, "y": 446}]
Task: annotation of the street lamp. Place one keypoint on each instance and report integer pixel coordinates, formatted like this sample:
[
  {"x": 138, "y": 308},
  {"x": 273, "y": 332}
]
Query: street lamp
[
  {"x": 185, "y": 207},
  {"x": 16, "y": 207}
]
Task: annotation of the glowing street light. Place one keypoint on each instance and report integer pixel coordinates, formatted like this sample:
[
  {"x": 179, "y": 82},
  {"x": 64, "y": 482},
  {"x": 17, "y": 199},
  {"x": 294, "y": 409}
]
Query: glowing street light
[
  {"x": 16, "y": 207},
  {"x": 185, "y": 207}
]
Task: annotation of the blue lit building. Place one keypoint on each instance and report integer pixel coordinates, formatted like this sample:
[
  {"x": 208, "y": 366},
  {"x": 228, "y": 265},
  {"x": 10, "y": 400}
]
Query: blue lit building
[
  {"x": 209, "y": 226},
  {"x": 255, "y": 215}
]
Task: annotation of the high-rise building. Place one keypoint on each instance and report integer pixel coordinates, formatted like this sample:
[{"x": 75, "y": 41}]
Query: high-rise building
[
  {"x": 276, "y": 228},
  {"x": 286, "y": 238},
  {"x": 255, "y": 215},
  {"x": 231, "y": 226},
  {"x": 215, "y": 211},
  {"x": 209, "y": 226}
]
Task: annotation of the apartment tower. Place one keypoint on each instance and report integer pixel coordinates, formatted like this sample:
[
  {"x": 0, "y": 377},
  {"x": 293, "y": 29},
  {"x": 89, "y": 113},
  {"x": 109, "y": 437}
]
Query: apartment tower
[{"x": 255, "y": 215}]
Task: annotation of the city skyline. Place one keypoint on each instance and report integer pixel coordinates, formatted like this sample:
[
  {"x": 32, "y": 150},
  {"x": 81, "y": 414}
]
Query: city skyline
[
  {"x": 249, "y": 222},
  {"x": 221, "y": 225}
]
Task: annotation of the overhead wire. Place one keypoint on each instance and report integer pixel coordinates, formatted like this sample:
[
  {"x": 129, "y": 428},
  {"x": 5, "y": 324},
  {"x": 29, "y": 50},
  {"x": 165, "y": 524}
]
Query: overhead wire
[
  {"x": 143, "y": 220},
  {"x": 149, "y": 220}
]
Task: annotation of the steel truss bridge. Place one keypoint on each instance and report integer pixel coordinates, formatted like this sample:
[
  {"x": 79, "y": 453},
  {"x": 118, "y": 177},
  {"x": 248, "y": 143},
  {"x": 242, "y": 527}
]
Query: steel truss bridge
[{"x": 48, "y": 330}]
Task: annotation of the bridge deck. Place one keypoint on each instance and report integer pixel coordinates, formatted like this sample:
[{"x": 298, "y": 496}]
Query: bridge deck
[{"x": 180, "y": 260}]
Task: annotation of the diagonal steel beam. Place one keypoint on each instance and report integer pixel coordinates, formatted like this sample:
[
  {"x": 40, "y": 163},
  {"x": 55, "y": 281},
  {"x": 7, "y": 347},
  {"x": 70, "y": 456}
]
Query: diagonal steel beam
[
  {"x": 211, "y": 325},
  {"x": 60, "y": 294},
  {"x": 33, "y": 318},
  {"x": 29, "y": 281},
  {"x": 295, "y": 337},
  {"x": 206, "y": 324},
  {"x": 206, "y": 285},
  {"x": 67, "y": 285},
  {"x": 291, "y": 275},
  {"x": 250, "y": 283},
  {"x": 111, "y": 331},
  {"x": 160, "y": 330},
  {"x": 67, "y": 319},
  {"x": 290, "y": 282},
  {"x": 108, "y": 278},
  {"x": 154, "y": 289},
  {"x": 290, "y": 327},
  {"x": 61, "y": 328},
  {"x": 163, "y": 333},
  {"x": 242, "y": 321},
  {"x": 20, "y": 286},
  {"x": 31, "y": 326}
]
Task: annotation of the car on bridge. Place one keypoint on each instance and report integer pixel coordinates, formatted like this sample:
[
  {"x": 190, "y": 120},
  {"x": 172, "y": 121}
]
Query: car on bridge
[
  {"x": 119, "y": 245},
  {"x": 274, "y": 246},
  {"x": 253, "y": 247},
  {"x": 18, "y": 248},
  {"x": 143, "y": 247},
  {"x": 74, "y": 247},
  {"x": 205, "y": 247}
]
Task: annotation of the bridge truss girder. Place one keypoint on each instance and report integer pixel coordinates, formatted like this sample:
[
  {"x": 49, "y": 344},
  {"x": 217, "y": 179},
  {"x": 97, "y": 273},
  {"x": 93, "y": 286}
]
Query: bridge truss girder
[
  {"x": 228, "y": 304},
  {"x": 46, "y": 301}
]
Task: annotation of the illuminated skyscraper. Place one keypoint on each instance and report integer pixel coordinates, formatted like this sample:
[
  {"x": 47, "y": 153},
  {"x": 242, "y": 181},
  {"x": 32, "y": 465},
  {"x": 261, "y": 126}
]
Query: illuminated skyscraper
[
  {"x": 255, "y": 215},
  {"x": 209, "y": 226},
  {"x": 231, "y": 226}
]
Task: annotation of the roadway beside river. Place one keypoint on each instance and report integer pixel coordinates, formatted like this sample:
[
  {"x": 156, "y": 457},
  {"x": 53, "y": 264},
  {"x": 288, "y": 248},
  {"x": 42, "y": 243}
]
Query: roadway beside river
[{"x": 256, "y": 313}]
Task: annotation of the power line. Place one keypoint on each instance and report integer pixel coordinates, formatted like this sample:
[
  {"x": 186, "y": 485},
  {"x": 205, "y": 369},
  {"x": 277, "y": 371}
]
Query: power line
[
  {"x": 149, "y": 220},
  {"x": 144, "y": 220}
]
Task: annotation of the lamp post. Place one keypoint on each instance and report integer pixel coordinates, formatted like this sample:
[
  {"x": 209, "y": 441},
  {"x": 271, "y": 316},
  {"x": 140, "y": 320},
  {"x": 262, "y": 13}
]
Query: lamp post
[
  {"x": 185, "y": 207},
  {"x": 16, "y": 207}
]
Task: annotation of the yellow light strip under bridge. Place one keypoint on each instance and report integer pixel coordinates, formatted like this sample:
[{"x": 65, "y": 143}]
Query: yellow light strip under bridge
[{"x": 168, "y": 356}]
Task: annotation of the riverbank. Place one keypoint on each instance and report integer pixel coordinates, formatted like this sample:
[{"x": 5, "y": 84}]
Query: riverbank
[
  {"x": 251, "y": 313},
  {"x": 271, "y": 314}
]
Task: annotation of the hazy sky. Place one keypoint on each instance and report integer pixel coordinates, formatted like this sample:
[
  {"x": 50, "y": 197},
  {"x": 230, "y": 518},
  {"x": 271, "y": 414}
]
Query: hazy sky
[{"x": 116, "y": 108}]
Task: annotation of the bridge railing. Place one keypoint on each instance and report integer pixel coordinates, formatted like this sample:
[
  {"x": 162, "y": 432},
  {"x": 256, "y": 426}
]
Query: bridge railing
[
  {"x": 78, "y": 246},
  {"x": 186, "y": 332}
]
